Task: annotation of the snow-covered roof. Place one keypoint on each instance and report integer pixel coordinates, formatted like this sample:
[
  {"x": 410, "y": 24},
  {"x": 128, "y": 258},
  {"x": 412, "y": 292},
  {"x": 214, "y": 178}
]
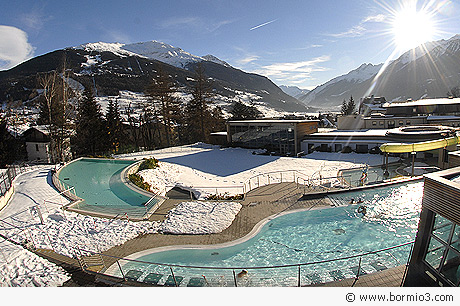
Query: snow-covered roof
[
  {"x": 352, "y": 133},
  {"x": 276, "y": 121},
  {"x": 423, "y": 102},
  {"x": 443, "y": 118},
  {"x": 40, "y": 128}
]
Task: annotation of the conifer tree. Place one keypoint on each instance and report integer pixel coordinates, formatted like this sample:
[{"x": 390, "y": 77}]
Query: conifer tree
[
  {"x": 198, "y": 117},
  {"x": 90, "y": 138},
  {"x": 161, "y": 93},
  {"x": 6, "y": 145},
  {"x": 114, "y": 126},
  {"x": 348, "y": 107},
  {"x": 241, "y": 111}
]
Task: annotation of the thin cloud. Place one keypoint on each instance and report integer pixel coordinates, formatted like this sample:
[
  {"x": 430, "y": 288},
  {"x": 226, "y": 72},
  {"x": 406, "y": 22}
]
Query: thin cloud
[
  {"x": 34, "y": 20},
  {"x": 195, "y": 23},
  {"x": 355, "y": 31},
  {"x": 359, "y": 29},
  {"x": 118, "y": 36},
  {"x": 294, "y": 72},
  {"x": 247, "y": 59},
  {"x": 376, "y": 18},
  {"x": 263, "y": 24},
  {"x": 14, "y": 47}
]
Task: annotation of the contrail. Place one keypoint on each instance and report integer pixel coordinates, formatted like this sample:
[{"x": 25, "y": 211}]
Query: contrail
[{"x": 261, "y": 25}]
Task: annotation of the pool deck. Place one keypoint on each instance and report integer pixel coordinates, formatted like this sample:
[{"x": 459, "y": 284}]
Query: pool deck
[{"x": 258, "y": 205}]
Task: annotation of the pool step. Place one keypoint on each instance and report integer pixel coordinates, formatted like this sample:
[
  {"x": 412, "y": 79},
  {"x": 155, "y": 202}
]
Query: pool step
[{"x": 93, "y": 263}]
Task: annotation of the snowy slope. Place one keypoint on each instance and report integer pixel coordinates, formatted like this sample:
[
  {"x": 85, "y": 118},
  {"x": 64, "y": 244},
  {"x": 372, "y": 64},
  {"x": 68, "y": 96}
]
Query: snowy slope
[
  {"x": 152, "y": 50},
  {"x": 436, "y": 65},
  {"x": 294, "y": 91},
  {"x": 342, "y": 84}
]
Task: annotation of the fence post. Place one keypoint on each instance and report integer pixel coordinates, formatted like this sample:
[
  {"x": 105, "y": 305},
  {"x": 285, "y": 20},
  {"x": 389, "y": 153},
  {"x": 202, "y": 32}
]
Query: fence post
[
  {"x": 298, "y": 283},
  {"x": 121, "y": 270},
  {"x": 234, "y": 278},
  {"x": 174, "y": 278}
]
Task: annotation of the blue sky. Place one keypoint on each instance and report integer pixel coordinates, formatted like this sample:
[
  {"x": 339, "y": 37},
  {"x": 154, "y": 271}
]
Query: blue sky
[{"x": 302, "y": 43}]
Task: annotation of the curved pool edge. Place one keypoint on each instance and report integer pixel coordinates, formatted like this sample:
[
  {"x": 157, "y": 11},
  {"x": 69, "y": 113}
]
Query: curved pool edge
[
  {"x": 255, "y": 230},
  {"x": 125, "y": 179},
  {"x": 76, "y": 200}
]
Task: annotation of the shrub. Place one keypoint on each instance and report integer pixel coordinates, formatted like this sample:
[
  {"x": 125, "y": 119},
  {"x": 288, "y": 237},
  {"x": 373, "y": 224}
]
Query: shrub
[
  {"x": 149, "y": 163},
  {"x": 225, "y": 197},
  {"x": 137, "y": 180}
]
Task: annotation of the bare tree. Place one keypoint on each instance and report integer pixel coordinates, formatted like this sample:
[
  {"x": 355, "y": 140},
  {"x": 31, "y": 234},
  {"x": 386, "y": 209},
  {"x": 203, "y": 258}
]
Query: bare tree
[{"x": 56, "y": 112}]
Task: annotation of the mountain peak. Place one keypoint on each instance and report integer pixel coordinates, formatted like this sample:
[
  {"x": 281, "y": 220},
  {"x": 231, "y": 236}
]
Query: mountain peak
[
  {"x": 152, "y": 50},
  {"x": 212, "y": 58}
]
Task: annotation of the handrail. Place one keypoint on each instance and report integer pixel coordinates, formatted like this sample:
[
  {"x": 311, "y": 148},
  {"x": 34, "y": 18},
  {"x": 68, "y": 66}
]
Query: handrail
[
  {"x": 247, "y": 182},
  {"x": 256, "y": 267}
]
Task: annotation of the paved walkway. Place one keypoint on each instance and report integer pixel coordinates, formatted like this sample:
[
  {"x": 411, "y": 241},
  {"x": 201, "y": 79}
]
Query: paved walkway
[{"x": 258, "y": 205}]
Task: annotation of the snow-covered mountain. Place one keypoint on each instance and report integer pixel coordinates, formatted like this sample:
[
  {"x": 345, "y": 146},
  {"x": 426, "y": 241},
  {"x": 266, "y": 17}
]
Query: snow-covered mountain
[
  {"x": 125, "y": 70},
  {"x": 294, "y": 91},
  {"x": 430, "y": 70},
  {"x": 333, "y": 92},
  {"x": 152, "y": 50}
]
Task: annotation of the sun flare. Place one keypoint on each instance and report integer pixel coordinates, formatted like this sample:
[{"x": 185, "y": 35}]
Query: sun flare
[{"x": 412, "y": 27}]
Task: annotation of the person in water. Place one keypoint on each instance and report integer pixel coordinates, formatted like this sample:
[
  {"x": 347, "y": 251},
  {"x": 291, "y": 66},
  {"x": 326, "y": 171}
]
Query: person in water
[{"x": 362, "y": 210}]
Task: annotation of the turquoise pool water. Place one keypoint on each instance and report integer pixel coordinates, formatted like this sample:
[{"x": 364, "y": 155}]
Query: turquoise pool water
[
  {"x": 99, "y": 183},
  {"x": 309, "y": 236}
]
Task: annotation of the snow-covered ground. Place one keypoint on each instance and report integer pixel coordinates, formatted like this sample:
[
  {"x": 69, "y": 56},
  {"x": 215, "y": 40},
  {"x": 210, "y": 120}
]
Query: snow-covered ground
[
  {"x": 194, "y": 217},
  {"x": 209, "y": 170},
  {"x": 198, "y": 166}
]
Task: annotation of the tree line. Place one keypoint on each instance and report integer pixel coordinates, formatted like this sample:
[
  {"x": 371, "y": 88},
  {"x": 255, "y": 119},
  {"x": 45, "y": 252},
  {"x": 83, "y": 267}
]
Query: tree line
[
  {"x": 77, "y": 126},
  {"x": 163, "y": 120}
]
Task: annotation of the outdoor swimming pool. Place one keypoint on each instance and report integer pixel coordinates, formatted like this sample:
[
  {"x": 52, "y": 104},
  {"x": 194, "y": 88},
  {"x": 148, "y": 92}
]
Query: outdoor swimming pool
[
  {"x": 99, "y": 183},
  {"x": 302, "y": 237}
]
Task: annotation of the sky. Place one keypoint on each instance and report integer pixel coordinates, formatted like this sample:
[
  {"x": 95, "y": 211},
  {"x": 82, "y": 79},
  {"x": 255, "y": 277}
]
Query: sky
[{"x": 302, "y": 43}]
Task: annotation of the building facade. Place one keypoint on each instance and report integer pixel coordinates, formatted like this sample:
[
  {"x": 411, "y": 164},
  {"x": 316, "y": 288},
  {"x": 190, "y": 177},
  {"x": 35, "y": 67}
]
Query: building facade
[
  {"x": 280, "y": 137},
  {"x": 435, "y": 259},
  {"x": 37, "y": 144}
]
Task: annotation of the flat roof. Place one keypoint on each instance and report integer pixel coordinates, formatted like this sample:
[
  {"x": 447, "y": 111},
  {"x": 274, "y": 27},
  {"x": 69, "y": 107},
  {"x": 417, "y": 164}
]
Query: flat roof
[
  {"x": 422, "y": 102},
  {"x": 352, "y": 133},
  {"x": 272, "y": 121}
]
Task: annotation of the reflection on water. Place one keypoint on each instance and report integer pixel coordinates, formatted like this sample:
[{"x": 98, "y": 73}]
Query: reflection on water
[{"x": 391, "y": 218}]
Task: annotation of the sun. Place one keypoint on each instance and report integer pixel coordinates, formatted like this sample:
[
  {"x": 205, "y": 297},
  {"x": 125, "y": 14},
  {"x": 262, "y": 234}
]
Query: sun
[{"x": 412, "y": 27}]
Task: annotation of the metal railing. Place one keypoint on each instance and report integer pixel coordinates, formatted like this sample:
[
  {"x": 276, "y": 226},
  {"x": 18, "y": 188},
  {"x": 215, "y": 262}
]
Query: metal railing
[
  {"x": 299, "y": 274},
  {"x": 274, "y": 177},
  {"x": 9, "y": 174},
  {"x": 69, "y": 191}
]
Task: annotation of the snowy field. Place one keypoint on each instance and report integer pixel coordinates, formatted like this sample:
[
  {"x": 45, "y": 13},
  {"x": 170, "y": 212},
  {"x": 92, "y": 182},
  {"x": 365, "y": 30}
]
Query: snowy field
[
  {"x": 198, "y": 166},
  {"x": 207, "y": 170}
]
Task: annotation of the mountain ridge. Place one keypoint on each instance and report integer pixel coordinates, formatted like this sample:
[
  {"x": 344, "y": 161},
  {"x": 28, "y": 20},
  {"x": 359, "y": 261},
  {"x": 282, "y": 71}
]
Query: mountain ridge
[
  {"x": 430, "y": 70},
  {"x": 112, "y": 68}
]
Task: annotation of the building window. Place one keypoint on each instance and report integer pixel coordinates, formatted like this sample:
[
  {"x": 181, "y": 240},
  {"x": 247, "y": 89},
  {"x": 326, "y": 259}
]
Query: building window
[
  {"x": 362, "y": 149},
  {"x": 36, "y": 147},
  {"x": 381, "y": 123},
  {"x": 374, "y": 123},
  {"x": 401, "y": 122},
  {"x": 443, "y": 253},
  {"x": 407, "y": 122}
]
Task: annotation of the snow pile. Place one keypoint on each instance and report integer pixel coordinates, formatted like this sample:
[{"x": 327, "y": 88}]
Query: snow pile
[
  {"x": 68, "y": 233},
  {"x": 26, "y": 269},
  {"x": 200, "y": 217},
  {"x": 162, "y": 178}
]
